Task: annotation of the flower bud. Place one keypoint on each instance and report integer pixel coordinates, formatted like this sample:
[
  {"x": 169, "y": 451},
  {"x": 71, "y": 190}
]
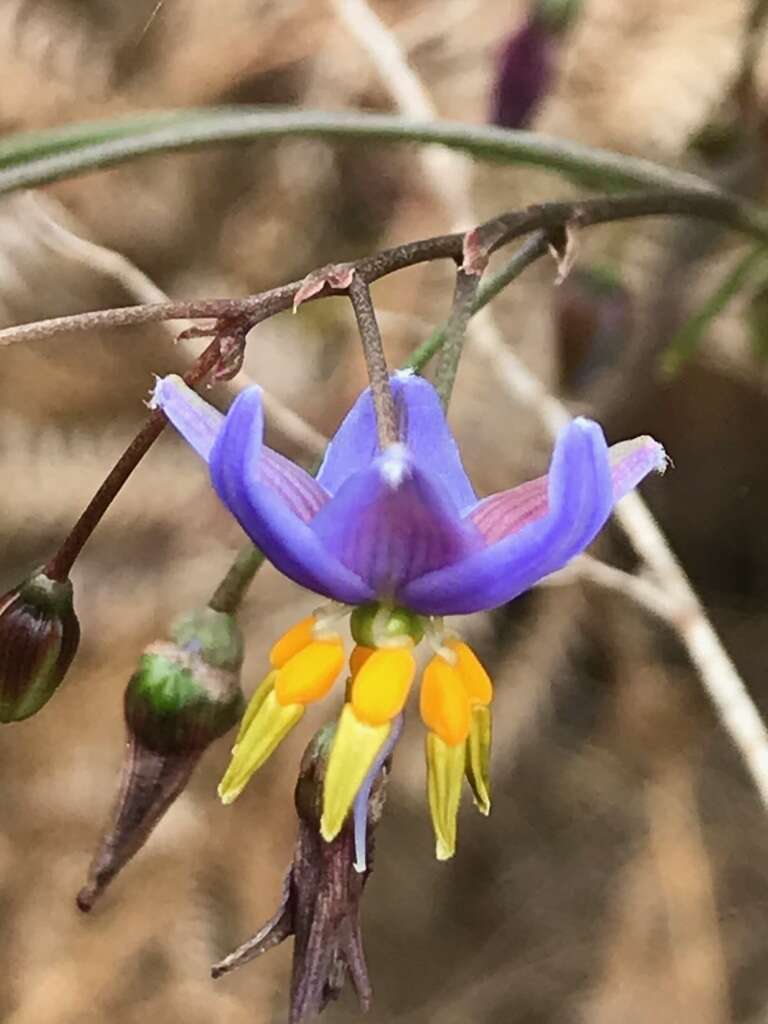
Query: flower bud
[
  {"x": 39, "y": 634},
  {"x": 321, "y": 899},
  {"x": 527, "y": 63},
  {"x": 184, "y": 695}
]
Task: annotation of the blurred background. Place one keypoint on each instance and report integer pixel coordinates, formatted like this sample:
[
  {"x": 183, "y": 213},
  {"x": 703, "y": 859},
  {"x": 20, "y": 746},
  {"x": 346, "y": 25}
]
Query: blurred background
[{"x": 623, "y": 873}]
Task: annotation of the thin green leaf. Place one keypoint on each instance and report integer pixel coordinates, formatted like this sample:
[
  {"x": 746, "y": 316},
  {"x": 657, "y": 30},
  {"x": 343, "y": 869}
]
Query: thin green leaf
[
  {"x": 42, "y": 157},
  {"x": 692, "y": 333}
]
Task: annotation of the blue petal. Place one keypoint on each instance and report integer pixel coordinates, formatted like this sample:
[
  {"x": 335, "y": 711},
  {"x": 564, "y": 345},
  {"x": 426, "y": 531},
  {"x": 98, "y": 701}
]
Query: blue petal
[
  {"x": 269, "y": 497},
  {"x": 393, "y": 522},
  {"x": 197, "y": 421},
  {"x": 422, "y": 428},
  {"x": 580, "y": 498},
  {"x": 509, "y": 511}
]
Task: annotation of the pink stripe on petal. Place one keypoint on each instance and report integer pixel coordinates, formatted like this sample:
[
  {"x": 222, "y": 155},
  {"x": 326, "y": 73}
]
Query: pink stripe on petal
[
  {"x": 502, "y": 514},
  {"x": 509, "y": 511},
  {"x": 300, "y": 491}
]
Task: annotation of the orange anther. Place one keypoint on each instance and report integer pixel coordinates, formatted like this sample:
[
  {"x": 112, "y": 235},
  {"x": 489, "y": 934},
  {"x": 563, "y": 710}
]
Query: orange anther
[
  {"x": 358, "y": 658},
  {"x": 380, "y": 688},
  {"x": 473, "y": 675},
  {"x": 310, "y": 674},
  {"x": 445, "y": 703},
  {"x": 290, "y": 643}
]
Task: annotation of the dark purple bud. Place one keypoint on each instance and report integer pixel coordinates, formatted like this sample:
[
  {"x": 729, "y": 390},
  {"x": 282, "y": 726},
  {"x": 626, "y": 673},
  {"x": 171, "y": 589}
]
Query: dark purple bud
[
  {"x": 524, "y": 75},
  {"x": 321, "y": 899},
  {"x": 593, "y": 325},
  {"x": 526, "y": 64},
  {"x": 184, "y": 695},
  {"x": 39, "y": 634}
]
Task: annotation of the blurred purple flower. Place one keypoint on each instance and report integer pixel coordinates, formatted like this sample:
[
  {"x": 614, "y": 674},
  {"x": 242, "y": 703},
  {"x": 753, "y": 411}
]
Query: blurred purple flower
[
  {"x": 404, "y": 524},
  {"x": 524, "y": 73}
]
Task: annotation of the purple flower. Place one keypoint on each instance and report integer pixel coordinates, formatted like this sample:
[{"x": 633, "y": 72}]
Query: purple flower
[
  {"x": 400, "y": 534},
  {"x": 404, "y": 525}
]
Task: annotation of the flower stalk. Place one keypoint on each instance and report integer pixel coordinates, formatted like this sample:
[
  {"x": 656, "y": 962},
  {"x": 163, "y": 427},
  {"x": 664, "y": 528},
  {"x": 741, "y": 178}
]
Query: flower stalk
[
  {"x": 464, "y": 299},
  {"x": 59, "y": 567},
  {"x": 375, "y": 361}
]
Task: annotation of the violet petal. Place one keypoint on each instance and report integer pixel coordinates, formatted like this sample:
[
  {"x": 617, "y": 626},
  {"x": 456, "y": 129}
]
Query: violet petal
[
  {"x": 580, "y": 499},
  {"x": 393, "y": 522},
  {"x": 504, "y": 513},
  {"x": 270, "y": 502},
  {"x": 423, "y": 429},
  {"x": 197, "y": 421}
]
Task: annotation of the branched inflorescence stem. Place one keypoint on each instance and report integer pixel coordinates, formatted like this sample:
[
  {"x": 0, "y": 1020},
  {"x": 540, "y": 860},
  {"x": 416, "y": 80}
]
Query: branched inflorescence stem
[
  {"x": 542, "y": 220},
  {"x": 716, "y": 206}
]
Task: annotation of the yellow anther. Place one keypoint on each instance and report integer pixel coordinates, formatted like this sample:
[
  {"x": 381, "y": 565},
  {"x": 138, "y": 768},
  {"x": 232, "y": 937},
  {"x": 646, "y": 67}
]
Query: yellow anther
[
  {"x": 445, "y": 772},
  {"x": 290, "y": 643},
  {"x": 479, "y": 757},
  {"x": 258, "y": 698},
  {"x": 445, "y": 704},
  {"x": 267, "y": 727},
  {"x": 473, "y": 675},
  {"x": 354, "y": 750},
  {"x": 381, "y": 687},
  {"x": 358, "y": 658},
  {"x": 310, "y": 673}
]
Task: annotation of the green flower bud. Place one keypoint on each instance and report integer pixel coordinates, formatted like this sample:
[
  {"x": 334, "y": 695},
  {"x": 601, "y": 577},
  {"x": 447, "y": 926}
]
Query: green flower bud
[
  {"x": 373, "y": 624},
  {"x": 186, "y": 694},
  {"x": 39, "y": 634}
]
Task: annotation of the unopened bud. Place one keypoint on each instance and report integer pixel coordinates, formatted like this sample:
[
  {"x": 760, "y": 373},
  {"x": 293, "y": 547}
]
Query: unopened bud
[
  {"x": 39, "y": 634},
  {"x": 184, "y": 695},
  {"x": 527, "y": 63}
]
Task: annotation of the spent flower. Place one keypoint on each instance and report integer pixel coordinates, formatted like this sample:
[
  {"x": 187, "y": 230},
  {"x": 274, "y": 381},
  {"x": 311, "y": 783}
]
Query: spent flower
[
  {"x": 321, "y": 898},
  {"x": 184, "y": 695},
  {"x": 399, "y": 539}
]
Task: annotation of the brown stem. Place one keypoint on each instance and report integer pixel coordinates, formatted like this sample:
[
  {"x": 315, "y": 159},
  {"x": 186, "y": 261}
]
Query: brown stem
[
  {"x": 464, "y": 295},
  {"x": 58, "y": 568},
  {"x": 719, "y": 207},
  {"x": 375, "y": 361}
]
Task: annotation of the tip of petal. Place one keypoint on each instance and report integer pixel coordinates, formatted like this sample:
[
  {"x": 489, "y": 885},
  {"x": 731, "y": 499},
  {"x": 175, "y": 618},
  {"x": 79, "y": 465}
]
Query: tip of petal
[
  {"x": 663, "y": 461},
  {"x": 633, "y": 460},
  {"x": 164, "y": 386}
]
